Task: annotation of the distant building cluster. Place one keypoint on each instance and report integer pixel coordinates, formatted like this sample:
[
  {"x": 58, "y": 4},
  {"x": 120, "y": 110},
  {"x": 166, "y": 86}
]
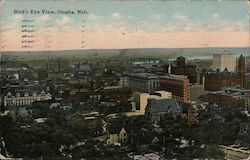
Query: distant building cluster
[{"x": 216, "y": 80}]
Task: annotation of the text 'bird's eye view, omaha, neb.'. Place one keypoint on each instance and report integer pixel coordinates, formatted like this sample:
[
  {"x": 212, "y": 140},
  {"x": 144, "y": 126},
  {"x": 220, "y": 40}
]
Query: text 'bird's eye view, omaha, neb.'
[{"x": 124, "y": 80}]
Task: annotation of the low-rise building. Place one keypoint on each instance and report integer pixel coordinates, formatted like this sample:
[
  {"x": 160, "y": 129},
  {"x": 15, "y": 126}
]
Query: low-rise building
[
  {"x": 157, "y": 108},
  {"x": 141, "y": 99},
  {"x": 117, "y": 134}
]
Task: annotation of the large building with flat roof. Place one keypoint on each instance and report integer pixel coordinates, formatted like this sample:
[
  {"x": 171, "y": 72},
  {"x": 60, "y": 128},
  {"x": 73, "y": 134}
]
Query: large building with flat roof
[
  {"x": 215, "y": 80},
  {"x": 144, "y": 82},
  {"x": 230, "y": 97},
  {"x": 224, "y": 60},
  {"x": 178, "y": 85}
]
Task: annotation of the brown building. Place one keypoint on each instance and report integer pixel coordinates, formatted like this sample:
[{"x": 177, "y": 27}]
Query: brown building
[
  {"x": 181, "y": 68},
  {"x": 57, "y": 65},
  {"x": 192, "y": 115},
  {"x": 178, "y": 85},
  {"x": 229, "y": 97},
  {"x": 191, "y": 112},
  {"x": 103, "y": 81},
  {"x": 248, "y": 80},
  {"x": 215, "y": 81},
  {"x": 114, "y": 93}
]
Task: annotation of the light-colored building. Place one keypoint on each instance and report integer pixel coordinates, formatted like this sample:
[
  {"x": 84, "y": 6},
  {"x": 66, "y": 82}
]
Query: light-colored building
[
  {"x": 195, "y": 91},
  {"x": 235, "y": 153},
  {"x": 145, "y": 82},
  {"x": 24, "y": 95},
  {"x": 224, "y": 60},
  {"x": 141, "y": 99},
  {"x": 117, "y": 135}
]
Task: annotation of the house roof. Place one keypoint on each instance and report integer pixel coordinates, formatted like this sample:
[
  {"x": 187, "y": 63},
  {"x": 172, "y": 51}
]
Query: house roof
[
  {"x": 115, "y": 129},
  {"x": 24, "y": 89}
]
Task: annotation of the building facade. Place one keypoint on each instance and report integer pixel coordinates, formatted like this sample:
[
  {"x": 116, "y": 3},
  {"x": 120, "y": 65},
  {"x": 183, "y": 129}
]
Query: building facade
[
  {"x": 224, "y": 60},
  {"x": 141, "y": 99},
  {"x": 117, "y": 135},
  {"x": 242, "y": 71},
  {"x": 178, "y": 85},
  {"x": 248, "y": 80},
  {"x": 181, "y": 68},
  {"x": 156, "y": 109},
  {"x": 24, "y": 95},
  {"x": 230, "y": 97},
  {"x": 145, "y": 82},
  {"x": 216, "y": 80}
]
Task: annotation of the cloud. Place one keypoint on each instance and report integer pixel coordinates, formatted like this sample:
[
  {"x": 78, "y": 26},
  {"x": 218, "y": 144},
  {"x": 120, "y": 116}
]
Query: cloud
[
  {"x": 13, "y": 22},
  {"x": 93, "y": 17},
  {"x": 116, "y": 16},
  {"x": 158, "y": 16},
  {"x": 216, "y": 15},
  {"x": 131, "y": 17},
  {"x": 17, "y": 18},
  {"x": 2, "y": 2},
  {"x": 44, "y": 18},
  {"x": 248, "y": 7},
  {"x": 65, "y": 20},
  {"x": 180, "y": 17}
]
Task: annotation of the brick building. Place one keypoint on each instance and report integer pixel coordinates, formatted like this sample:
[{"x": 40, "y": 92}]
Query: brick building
[
  {"x": 230, "y": 97},
  {"x": 181, "y": 68},
  {"x": 178, "y": 85},
  {"x": 216, "y": 80}
]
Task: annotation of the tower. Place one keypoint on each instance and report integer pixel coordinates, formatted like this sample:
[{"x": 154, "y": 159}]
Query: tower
[
  {"x": 242, "y": 71},
  {"x": 181, "y": 61}
]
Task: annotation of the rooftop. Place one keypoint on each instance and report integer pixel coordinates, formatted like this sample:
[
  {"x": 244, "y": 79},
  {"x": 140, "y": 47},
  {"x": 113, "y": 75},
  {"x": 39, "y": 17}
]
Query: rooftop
[
  {"x": 174, "y": 77},
  {"x": 144, "y": 75},
  {"x": 236, "y": 92}
]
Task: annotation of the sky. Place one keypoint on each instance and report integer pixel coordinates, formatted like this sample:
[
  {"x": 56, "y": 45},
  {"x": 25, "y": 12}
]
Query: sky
[{"x": 115, "y": 24}]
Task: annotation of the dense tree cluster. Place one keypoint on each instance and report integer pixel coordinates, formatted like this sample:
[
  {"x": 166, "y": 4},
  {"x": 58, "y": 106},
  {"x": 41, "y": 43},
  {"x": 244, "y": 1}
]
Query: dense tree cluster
[{"x": 62, "y": 131}]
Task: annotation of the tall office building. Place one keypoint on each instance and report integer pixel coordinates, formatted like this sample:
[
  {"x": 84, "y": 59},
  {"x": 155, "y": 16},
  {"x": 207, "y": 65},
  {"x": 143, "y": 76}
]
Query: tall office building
[
  {"x": 178, "y": 85},
  {"x": 224, "y": 60},
  {"x": 181, "y": 68}
]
